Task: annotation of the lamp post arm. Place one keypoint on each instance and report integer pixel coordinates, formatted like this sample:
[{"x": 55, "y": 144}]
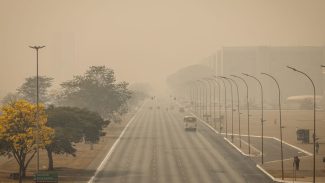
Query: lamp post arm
[{"x": 314, "y": 136}]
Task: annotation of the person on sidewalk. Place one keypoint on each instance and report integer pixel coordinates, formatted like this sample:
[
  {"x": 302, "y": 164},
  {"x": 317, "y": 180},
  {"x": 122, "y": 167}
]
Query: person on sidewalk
[
  {"x": 296, "y": 162},
  {"x": 317, "y": 147}
]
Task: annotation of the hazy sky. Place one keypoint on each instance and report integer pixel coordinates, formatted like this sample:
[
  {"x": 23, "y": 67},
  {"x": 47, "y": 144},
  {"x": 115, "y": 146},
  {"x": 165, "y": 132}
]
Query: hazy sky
[{"x": 143, "y": 40}]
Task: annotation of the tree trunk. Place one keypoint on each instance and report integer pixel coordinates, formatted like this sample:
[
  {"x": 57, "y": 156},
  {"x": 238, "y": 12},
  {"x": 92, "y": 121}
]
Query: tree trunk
[
  {"x": 23, "y": 172},
  {"x": 20, "y": 173},
  {"x": 50, "y": 157}
]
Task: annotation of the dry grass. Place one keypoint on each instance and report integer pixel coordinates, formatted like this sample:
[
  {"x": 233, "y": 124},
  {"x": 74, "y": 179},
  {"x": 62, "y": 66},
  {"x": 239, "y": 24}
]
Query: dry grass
[{"x": 71, "y": 169}]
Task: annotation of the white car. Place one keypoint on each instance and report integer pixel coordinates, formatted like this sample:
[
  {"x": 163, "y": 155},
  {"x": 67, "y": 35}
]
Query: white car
[{"x": 190, "y": 123}]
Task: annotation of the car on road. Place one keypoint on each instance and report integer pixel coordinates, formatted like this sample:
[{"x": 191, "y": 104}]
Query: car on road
[{"x": 190, "y": 123}]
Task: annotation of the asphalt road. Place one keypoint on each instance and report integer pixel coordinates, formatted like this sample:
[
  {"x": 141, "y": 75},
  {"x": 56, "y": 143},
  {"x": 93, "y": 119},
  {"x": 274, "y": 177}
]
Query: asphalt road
[
  {"x": 156, "y": 148},
  {"x": 272, "y": 150}
]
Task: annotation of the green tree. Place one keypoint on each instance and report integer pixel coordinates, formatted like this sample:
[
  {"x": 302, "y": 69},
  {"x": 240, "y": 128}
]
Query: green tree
[
  {"x": 98, "y": 91},
  {"x": 9, "y": 98},
  {"x": 18, "y": 134},
  {"x": 72, "y": 125},
  {"x": 28, "y": 89}
]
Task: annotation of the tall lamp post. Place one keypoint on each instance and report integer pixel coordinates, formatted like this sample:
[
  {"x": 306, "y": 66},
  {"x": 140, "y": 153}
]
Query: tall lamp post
[
  {"x": 314, "y": 136},
  {"x": 247, "y": 103},
  {"x": 199, "y": 94},
  {"x": 195, "y": 93},
  {"x": 37, "y": 105},
  {"x": 262, "y": 115},
  {"x": 214, "y": 101},
  {"x": 196, "y": 96},
  {"x": 202, "y": 97},
  {"x": 224, "y": 85},
  {"x": 210, "y": 97},
  {"x": 238, "y": 108},
  {"x": 232, "y": 108},
  {"x": 282, "y": 171},
  {"x": 219, "y": 102}
]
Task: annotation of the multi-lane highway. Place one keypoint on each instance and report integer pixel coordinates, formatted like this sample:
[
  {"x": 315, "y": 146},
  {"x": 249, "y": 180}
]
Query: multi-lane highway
[{"x": 156, "y": 148}]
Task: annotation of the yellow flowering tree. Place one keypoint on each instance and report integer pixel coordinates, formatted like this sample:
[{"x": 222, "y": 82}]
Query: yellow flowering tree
[{"x": 18, "y": 132}]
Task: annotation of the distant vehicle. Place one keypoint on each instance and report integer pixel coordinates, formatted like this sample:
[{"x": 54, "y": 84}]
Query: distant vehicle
[
  {"x": 190, "y": 123},
  {"x": 181, "y": 109}
]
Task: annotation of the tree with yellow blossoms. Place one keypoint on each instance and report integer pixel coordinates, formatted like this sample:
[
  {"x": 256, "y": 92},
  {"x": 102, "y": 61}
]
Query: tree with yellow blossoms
[{"x": 18, "y": 132}]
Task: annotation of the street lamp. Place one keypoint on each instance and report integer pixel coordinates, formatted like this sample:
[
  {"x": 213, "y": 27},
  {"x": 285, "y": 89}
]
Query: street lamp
[
  {"x": 202, "y": 98},
  {"x": 199, "y": 93},
  {"x": 210, "y": 97},
  {"x": 37, "y": 106},
  {"x": 247, "y": 103},
  {"x": 314, "y": 136},
  {"x": 224, "y": 85},
  {"x": 238, "y": 106},
  {"x": 262, "y": 115},
  {"x": 232, "y": 109},
  {"x": 214, "y": 101},
  {"x": 195, "y": 96},
  {"x": 219, "y": 102},
  {"x": 282, "y": 171}
]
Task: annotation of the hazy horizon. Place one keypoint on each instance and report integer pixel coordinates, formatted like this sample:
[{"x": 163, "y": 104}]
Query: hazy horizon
[{"x": 143, "y": 40}]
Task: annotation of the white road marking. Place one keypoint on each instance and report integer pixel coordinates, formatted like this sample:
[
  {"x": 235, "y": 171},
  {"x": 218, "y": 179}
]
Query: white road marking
[
  {"x": 108, "y": 155},
  {"x": 256, "y": 136},
  {"x": 244, "y": 154}
]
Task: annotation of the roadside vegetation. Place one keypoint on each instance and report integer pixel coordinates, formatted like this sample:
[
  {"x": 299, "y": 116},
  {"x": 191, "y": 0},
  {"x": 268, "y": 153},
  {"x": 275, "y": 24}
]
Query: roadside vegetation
[{"x": 78, "y": 112}]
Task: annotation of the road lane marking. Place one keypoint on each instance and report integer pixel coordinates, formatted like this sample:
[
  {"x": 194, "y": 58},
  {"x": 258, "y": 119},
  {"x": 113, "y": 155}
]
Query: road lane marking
[
  {"x": 298, "y": 148},
  {"x": 108, "y": 155},
  {"x": 256, "y": 136}
]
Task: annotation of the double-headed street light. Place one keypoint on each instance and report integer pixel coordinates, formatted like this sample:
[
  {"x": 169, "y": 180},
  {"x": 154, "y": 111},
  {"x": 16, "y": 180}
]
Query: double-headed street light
[
  {"x": 282, "y": 171},
  {"x": 262, "y": 115},
  {"x": 314, "y": 136},
  {"x": 37, "y": 106}
]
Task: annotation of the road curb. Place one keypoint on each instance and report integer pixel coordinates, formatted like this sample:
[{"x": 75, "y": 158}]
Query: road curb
[
  {"x": 244, "y": 154},
  {"x": 276, "y": 179}
]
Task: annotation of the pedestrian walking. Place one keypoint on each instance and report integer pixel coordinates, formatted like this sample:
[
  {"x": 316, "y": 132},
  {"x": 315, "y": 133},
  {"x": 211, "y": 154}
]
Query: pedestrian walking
[
  {"x": 317, "y": 147},
  {"x": 296, "y": 162}
]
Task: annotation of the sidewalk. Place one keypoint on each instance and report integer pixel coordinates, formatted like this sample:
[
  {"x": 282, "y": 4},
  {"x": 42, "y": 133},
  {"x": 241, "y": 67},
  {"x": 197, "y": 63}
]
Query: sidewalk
[{"x": 305, "y": 172}]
